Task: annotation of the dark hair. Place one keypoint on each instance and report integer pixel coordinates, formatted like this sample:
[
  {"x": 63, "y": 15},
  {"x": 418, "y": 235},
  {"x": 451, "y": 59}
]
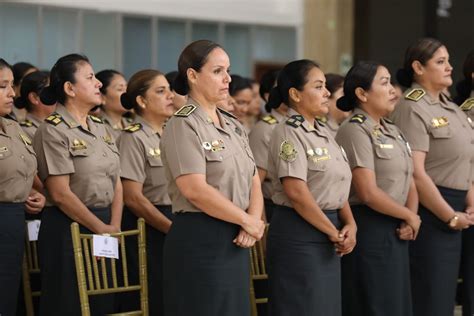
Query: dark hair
[
  {"x": 293, "y": 75},
  {"x": 4, "y": 64},
  {"x": 32, "y": 82},
  {"x": 138, "y": 84},
  {"x": 19, "y": 71},
  {"x": 267, "y": 82},
  {"x": 238, "y": 83},
  {"x": 465, "y": 86},
  {"x": 106, "y": 76},
  {"x": 63, "y": 71},
  {"x": 171, "y": 76},
  {"x": 361, "y": 75},
  {"x": 334, "y": 82},
  {"x": 422, "y": 51},
  {"x": 193, "y": 56}
]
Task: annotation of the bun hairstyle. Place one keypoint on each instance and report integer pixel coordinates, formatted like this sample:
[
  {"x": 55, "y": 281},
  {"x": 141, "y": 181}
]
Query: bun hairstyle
[
  {"x": 465, "y": 86},
  {"x": 171, "y": 76},
  {"x": 33, "y": 82},
  {"x": 19, "y": 71},
  {"x": 361, "y": 75},
  {"x": 293, "y": 75},
  {"x": 422, "y": 51},
  {"x": 106, "y": 76},
  {"x": 63, "y": 71},
  {"x": 238, "y": 83},
  {"x": 193, "y": 56},
  {"x": 334, "y": 82},
  {"x": 138, "y": 85},
  {"x": 267, "y": 82}
]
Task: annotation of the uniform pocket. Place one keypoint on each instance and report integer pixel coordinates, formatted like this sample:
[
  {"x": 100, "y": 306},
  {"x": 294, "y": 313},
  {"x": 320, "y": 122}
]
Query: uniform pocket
[
  {"x": 155, "y": 161},
  {"x": 216, "y": 156},
  {"x": 80, "y": 152},
  {"x": 320, "y": 166},
  {"x": 442, "y": 132},
  {"x": 383, "y": 153}
]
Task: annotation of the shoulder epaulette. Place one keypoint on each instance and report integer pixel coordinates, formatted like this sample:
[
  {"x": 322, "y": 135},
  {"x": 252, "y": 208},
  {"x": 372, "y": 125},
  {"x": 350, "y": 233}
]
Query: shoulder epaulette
[
  {"x": 129, "y": 120},
  {"x": 96, "y": 119},
  {"x": 415, "y": 94},
  {"x": 322, "y": 120},
  {"x": 226, "y": 113},
  {"x": 358, "y": 118},
  {"x": 388, "y": 121},
  {"x": 133, "y": 128},
  {"x": 467, "y": 105},
  {"x": 295, "y": 120},
  {"x": 185, "y": 110},
  {"x": 54, "y": 119},
  {"x": 26, "y": 123},
  {"x": 270, "y": 119}
]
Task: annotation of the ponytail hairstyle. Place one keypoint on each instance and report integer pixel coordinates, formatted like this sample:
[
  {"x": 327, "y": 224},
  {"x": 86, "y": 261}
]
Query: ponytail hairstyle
[{"x": 267, "y": 82}]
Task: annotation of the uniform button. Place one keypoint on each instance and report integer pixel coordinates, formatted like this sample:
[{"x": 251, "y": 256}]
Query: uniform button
[
  {"x": 26, "y": 178},
  {"x": 220, "y": 157},
  {"x": 104, "y": 154},
  {"x": 22, "y": 157},
  {"x": 94, "y": 138}
]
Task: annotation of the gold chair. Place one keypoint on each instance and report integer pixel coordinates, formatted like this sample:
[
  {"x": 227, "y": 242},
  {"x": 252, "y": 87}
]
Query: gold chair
[
  {"x": 30, "y": 266},
  {"x": 91, "y": 281},
  {"x": 258, "y": 270}
]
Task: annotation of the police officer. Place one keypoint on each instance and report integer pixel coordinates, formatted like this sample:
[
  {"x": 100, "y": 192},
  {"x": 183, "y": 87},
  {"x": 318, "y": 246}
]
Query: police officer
[
  {"x": 384, "y": 201},
  {"x": 17, "y": 170},
  {"x": 143, "y": 177},
  {"x": 441, "y": 139},
  {"x": 112, "y": 112},
  {"x": 311, "y": 187},
  {"x": 259, "y": 139},
  {"x": 215, "y": 191},
  {"x": 78, "y": 162}
]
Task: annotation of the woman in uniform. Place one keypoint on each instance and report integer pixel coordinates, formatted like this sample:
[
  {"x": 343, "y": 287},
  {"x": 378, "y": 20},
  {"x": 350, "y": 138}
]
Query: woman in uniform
[
  {"x": 112, "y": 111},
  {"x": 144, "y": 182},
  {"x": 240, "y": 89},
  {"x": 259, "y": 139},
  {"x": 20, "y": 70},
  {"x": 376, "y": 275},
  {"x": 441, "y": 139},
  {"x": 335, "y": 116},
  {"x": 312, "y": 223},
  {"x": 17, "y": 170},
  {"x": 78, "y": 162},
  {"x": 215, "y": 193}
]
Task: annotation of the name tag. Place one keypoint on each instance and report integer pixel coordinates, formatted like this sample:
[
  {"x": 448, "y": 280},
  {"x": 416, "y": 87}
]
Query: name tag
[
  {"x": 33, "y": 228},
  {"x": 386, "y": 146},
  {"x": 105, "y": 246}
]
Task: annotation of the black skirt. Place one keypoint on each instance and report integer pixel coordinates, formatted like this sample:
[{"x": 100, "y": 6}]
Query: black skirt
[
  {"x": 12, "y": 244},
  {"x": 154, "y": 251},
  {"x": 59, "y": 292},
  {"x": 434, "y": 260},
  {"x": 205, "y": 273},
  {"x": 376, "y": 275},
  {"x": 303, "y": 267},
  {"x": 269, "y": 205}
]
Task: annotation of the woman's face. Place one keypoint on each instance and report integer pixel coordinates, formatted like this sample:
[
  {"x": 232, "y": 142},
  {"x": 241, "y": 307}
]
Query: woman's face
[
  {"x": 86, "y": 88},
  {"x": 381, "y": 97},
  {"x": 158, "y": 99},
  {"x": 437, "y": 70},
  {"x": 314, "y": 98},
  {"x": 243, "y": 99},
  {"x": 111, "y": 98},
  {"x": 212, "y": 81},
  {"x": 7, "y": 92}
]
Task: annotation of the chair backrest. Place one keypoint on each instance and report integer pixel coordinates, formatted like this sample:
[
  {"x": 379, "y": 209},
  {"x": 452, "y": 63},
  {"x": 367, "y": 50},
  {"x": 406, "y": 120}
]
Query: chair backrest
[
  {"x": 96, "y": 276},
  {"x": 258, "y": 271},
  {"x": 30, "y": 266}
]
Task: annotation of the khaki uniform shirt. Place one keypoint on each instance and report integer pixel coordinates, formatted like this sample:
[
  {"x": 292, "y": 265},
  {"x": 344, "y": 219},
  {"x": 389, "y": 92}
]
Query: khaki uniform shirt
[
  {"x": 309, "y": 153},
  {"x": 381, "y": 148},
  {"x": 259, "y": 140},
  {"x": 140, "y": 161},
  {"x": 89, "y": 157},
  {"x": 115, "y": 130},
  {"x": 441, "y": 130},
  {"x": 30, "y": 125},
  {"x": 17, "y": 162},
  {"x": 468, "y": 107},
  {"x": 193, "y": 144}
]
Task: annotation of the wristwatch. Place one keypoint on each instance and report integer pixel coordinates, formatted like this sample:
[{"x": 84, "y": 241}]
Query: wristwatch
[{"x": 453, "y": 221}]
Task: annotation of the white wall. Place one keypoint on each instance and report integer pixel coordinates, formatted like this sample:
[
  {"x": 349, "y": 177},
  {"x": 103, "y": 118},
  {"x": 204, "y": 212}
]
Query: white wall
[{"x": 268, "y": 12}]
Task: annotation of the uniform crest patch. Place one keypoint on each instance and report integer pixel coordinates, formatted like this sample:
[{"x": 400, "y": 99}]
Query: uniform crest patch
[{"x": 287, "y": 151}]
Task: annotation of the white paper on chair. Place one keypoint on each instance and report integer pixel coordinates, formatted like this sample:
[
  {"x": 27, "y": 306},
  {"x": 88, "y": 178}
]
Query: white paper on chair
[
  {"x": 105, "y": 246},
  {"x": 33, "y": 228}
]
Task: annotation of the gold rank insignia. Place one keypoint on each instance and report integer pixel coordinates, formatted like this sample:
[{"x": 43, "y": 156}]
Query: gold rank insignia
[
  {"x": 96, "y": 119},
  {"x": 78, "y": 144},
  {"x": 415, "y": 94},
  {"x": 270, "y": 119},
  {"x": 27, "y": 123},
  {"x": 322, "y": 120},
  {"x": 133, "y": 128},
  {"x": 467, "y": 105},
  {"x": 3, "y": 150},
  {"x": 108, "y": 139},
  {"x": 54, "y": 119},
  {"x": 358, "y": 118},
  {"x": 438, "y": 122},
  {"x": 287, "y": 151},
  {"x": 185, "y": 110},
  {"x": 154, "y": 152},
  {"x": 26, "y": 140}
]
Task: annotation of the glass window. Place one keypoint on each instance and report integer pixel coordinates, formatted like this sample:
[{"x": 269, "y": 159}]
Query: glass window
[
  {"x": 274, "y": 44},
  {"x": 237, "y": 45},
  {"x": 19, "y": 33},
  {"x": 136, "y": 44},
  {"x": 171, "y": 41},
  {"x": 59, "y": 35},
  {"x": 204, "y": 31},
  {"x": 100, "y": 40}
]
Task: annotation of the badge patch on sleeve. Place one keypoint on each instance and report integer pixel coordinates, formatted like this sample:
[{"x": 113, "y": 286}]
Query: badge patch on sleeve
[{"x": 287, "y": 151}]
